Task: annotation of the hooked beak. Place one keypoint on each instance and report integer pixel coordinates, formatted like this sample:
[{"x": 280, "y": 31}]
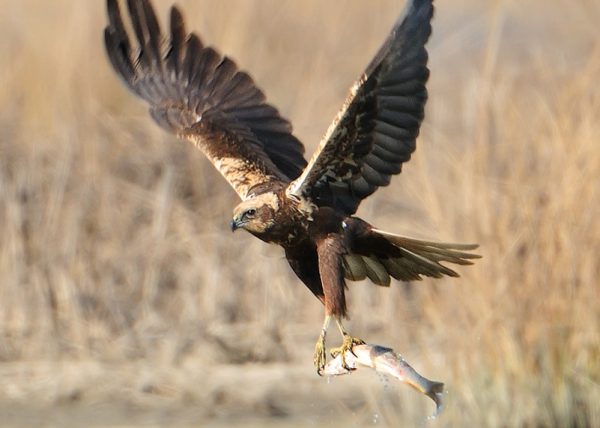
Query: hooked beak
[{"x": 234, "y": 225}]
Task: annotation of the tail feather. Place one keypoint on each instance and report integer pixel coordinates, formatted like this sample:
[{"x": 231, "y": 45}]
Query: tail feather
[
  {"x": 408, "y": 259},
  {"x": 428, "y": 267},
  {"x": 399, "y": 269},
  {"x": 358, "y": 267},
  {"x": 377, "y": 272}
]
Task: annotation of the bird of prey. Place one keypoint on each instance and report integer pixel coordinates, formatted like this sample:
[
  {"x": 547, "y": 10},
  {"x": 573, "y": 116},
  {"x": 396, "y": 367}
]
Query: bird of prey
[{"x": 308, "y": 208}]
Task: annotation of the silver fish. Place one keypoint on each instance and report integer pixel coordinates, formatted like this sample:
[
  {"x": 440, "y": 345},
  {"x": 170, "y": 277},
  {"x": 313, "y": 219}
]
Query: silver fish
[{"x": 385, "y": 360}]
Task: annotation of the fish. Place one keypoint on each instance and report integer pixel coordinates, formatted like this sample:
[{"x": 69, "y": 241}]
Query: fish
[{"x": 386, "y": 361}]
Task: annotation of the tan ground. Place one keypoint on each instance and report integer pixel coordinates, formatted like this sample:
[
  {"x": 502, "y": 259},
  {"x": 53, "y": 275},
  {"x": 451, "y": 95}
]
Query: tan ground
[{"x": 124, "y": 300}]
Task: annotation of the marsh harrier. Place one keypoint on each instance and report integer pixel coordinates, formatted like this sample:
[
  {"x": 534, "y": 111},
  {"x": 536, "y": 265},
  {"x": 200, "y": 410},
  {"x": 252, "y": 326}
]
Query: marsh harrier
[{"x": 306, "y": 208}]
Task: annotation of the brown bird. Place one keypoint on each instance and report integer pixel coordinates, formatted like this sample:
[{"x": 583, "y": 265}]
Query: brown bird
[{"x": 308, "y": 209}]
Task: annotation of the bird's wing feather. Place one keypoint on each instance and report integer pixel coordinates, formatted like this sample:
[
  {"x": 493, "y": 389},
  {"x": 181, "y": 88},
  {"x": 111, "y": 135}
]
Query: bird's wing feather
[
  {"x": 199, "y": 95},
  {"x": 375, "y": 132}
]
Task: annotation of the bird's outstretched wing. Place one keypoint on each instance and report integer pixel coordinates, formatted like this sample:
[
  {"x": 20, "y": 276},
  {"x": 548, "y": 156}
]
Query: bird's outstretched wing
[
  {"x": 375, "y": 131},
  {"x": 201, "y": 96}
]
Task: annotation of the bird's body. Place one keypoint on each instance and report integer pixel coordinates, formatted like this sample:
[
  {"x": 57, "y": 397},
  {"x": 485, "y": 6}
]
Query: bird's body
[{"x": 308, "y": 208}]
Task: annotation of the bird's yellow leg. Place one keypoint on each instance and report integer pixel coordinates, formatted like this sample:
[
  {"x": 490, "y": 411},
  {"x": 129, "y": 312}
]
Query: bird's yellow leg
[
  {"x": 347, "y": 344},
  {"x": 320, "y": 357}
]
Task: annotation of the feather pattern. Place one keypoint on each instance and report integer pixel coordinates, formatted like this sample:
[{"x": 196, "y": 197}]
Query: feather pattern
[
  {"x": 385, "y": 254},
  {"x": 199, "y": 95},
  {"x": 375, "y": 131}
]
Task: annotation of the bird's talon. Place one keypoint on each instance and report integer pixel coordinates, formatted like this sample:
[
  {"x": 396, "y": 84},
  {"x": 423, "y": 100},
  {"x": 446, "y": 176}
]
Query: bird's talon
[
  {"x": 355, "y": 342},
  {"x": 347, "y": 345},
  {"x": 320, "y": 356}
]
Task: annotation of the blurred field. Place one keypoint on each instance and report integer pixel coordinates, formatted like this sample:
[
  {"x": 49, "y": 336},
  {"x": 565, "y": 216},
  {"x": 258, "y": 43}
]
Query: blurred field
[{"x": 125, "y": 300}]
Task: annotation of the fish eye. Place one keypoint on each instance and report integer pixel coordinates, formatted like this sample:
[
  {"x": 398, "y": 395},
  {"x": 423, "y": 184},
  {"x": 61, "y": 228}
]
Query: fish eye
[{"x": 251, "y": 212}]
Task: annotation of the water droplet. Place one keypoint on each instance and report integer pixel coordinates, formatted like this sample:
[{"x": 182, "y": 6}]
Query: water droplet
[{"x": 375, "y": 418}]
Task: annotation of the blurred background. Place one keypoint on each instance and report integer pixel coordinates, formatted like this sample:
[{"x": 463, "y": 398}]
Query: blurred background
[{"x": 125, "y": 300}]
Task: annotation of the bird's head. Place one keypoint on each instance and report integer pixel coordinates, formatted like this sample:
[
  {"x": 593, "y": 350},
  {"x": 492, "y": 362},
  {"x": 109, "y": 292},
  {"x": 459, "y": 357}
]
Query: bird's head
[{"x": 257, "y": 214}]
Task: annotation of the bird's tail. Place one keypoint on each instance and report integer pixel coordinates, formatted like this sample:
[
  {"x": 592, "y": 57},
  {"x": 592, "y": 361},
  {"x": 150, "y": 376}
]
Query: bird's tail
[{"x": 384, "y": 255}]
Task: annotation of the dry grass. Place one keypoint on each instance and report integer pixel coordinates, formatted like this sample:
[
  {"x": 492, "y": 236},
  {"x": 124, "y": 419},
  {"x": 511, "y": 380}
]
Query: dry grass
[{"x": 120, "y": 282}]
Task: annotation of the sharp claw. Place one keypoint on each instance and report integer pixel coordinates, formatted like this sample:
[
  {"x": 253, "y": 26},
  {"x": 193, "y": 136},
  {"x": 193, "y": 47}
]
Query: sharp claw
[
  {"x": 347, "y": 345},
  {"x": 347, "y": 367},
  {"x": 354, "y": 343},
  {"x": 320, "y": 356}
]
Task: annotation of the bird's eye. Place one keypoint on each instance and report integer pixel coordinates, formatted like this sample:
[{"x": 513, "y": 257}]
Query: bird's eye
[{"x": 251, "y": 212}]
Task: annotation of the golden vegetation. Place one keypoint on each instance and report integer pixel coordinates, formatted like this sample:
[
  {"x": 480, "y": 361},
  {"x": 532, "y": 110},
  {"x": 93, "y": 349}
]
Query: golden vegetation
[{"x": 120, "y": 280}]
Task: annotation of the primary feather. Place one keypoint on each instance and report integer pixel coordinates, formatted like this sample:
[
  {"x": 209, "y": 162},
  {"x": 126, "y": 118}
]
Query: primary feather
[
  {"x": 199, "y": 95},
  {"x": 375, "y": 132}
]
